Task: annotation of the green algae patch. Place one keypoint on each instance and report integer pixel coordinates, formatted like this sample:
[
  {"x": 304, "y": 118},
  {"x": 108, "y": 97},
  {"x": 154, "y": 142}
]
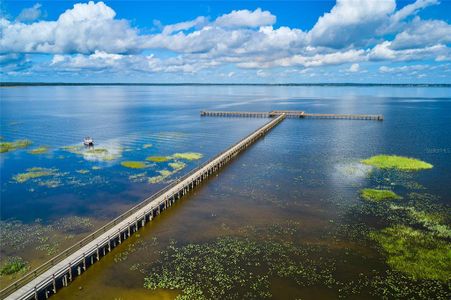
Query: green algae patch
[
  {"x": 418, "y": 254},
  {"x": 147, "y": 146},
  {"x": 397, "y": 162},
  {"x": 134, "y": 164},
  {"x": 34, "y": 173},
  {"x": 378, "y": 195},
  {"x": 158, "y": 158},
  {"x": 188, "y": 155},
  {"x": 13, "y": 265},
  {"x": 177, "y": 165},
  {"x": 11, "y": 146},
  {"x": 39, "y": 150}
]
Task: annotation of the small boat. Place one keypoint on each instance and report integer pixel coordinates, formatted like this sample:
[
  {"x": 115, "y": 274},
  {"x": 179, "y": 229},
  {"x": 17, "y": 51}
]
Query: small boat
[{"x": 88, "y": 141}]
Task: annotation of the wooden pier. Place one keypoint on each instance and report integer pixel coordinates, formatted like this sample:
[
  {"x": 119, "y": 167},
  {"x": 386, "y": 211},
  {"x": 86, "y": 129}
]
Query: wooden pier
[
  {"x": 291, "y": 114},
  {"x": 248, "y": 114},
  {"x": 61, "y": 270}
]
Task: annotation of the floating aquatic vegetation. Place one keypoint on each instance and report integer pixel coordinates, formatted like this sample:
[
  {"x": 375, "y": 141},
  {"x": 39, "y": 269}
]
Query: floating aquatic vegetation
[
  {"x": 397, "y": 162},
  {"x": 51, "y": 183},
  {"x": 11, "y": 146},
  {"x": 100, "y": 154},
  {"x": 156, "y": 179},
  {"x": 134, "y": 164},
  {"x": 13, "y": 265},
  {"x": 95, "y": 154},
  {"x": 418, "y": 254},
  {"x": 188, "y": 155},
  {"x": 146, "y": 146},
  {"x": 16, "y": 236},
  {"x": 76, "y": 149},
  {"x": 158, "y": 158},
  {"x": 47, "y": 246},
  {"x": 177, "y": 165},
  {"x": 123, "y": 255},
  {"x": 378, "y": 195},
  {"x": 141, "y": 177},
  {"x": 82, "y": 171},
  {"x": 431, "y": 221},
  {"x": 96, "y": 168},
  {"x": 34, "y": 173},
  {"x": 235, "y": 268},
  {"x": 163, "y": 175},
  {"x": 73, "y": 224},
  {"x": 39, "y": 150}
]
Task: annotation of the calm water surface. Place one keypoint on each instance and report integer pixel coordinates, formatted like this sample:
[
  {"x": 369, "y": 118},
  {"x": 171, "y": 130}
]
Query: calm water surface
[{"x": 304, "y": 176}]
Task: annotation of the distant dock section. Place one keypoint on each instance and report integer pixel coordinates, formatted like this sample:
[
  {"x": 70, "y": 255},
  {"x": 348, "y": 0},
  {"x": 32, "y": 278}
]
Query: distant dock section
[{"x": 290, "y": 114}]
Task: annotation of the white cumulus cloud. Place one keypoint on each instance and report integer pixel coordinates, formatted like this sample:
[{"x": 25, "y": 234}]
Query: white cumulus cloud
[{"x": 246, "y": 18}]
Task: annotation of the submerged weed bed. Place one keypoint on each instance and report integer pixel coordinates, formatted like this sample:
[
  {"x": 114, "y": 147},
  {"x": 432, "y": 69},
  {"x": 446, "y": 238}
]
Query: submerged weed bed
[
  {"x": 94, "y": 154},
  {"x": 34, "y": 173},
  {"x": 11, "y": 146},
  {"x": 188, "y": 155},
  {"x": 418, "y": 254},
  {"x": 397, "y": 162},
  {"x": 245, "y": 267},
  {"x": 134, "y": 164},
  {"x": 378, "y": 195},
  {"x": 158, "y": 158},
  {"x": 234, "y": 268},
  {"x": 39, "y": 150}
]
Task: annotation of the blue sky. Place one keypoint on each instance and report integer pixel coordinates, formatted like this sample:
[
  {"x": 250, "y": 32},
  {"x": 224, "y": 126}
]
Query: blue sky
[{"x": 362, "y": 41}]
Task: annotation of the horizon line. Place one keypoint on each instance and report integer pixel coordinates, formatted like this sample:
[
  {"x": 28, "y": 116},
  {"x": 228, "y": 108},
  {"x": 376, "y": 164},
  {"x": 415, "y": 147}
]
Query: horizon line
[{"x": 22, "y": 83}]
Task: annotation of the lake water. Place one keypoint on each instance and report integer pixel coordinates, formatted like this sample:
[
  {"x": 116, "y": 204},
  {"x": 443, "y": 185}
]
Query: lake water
[{"x": 283, "y": 220}]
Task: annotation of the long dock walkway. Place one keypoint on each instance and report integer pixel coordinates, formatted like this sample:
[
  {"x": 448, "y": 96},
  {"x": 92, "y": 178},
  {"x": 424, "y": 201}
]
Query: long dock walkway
[
  {"x": 291, "y": 114},
  {"x": 62, "y": 269}
]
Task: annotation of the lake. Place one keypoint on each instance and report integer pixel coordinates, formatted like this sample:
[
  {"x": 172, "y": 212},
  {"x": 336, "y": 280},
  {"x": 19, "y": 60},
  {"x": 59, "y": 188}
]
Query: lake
[{"x": 284, "y": 220}]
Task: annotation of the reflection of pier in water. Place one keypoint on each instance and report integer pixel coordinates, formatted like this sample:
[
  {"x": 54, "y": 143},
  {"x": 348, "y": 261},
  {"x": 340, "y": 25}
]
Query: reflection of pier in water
[{"x": 58, "y": 272}]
